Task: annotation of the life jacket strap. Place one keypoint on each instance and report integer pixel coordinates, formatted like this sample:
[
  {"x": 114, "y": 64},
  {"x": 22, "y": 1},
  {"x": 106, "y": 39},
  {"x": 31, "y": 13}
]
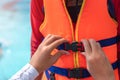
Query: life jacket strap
[
  {"x": 111, "y": 9},
  {"x": 77, "y": 73},
  {"x": 78, "y": 46}
]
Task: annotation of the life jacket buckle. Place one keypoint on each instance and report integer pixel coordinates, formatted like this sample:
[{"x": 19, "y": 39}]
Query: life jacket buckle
[
  {"x": 75, "y": 46},
  {"x": 52, "y": 76},
  {"x": 75, "y": 73}
]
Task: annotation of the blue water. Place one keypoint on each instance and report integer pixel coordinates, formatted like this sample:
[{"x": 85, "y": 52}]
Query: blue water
[{"x": 15, "y": 34}]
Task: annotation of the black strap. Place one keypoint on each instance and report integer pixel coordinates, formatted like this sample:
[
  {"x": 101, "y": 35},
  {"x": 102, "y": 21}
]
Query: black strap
[
  {"x": 77, "y": 46},
  {"x": 67, "y": 73},
  {"x": 111, "y": 9}
]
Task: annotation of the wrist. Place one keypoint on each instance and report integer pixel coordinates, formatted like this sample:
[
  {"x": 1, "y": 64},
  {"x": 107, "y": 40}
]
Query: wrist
[{"x": 36, "y": 67}]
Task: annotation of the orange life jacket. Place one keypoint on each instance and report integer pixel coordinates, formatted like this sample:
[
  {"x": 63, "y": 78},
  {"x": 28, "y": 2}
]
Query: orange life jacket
[{"x": 93, "y": 21}]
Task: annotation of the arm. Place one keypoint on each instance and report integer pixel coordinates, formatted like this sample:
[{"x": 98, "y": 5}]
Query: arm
[
  {"x": 117, "y": 12},
  {"x": 43, "y": 53},
  {"x": 36, "y": 20},
  {"x": 28, "y": 72},
  {"x": 97, "y": 63},
  {"x": 37, "y": 17}
]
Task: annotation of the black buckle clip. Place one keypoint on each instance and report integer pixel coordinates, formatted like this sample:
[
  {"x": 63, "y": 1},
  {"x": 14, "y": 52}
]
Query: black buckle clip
[
  {"x": 75, "y": 46},
  {"x": 75, "y": 73},
  {"x": 52, "y": 76}
]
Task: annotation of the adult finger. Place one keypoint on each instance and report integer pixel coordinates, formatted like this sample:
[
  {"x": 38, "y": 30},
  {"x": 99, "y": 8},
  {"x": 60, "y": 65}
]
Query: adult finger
[
  {"x": 94, "y": 45},
  {"x": 55, "y": 57},
  {"x": 99, "y": 46},
  {"x": 57, "y": 42},
  {"x": 52, "y": 38},
  {"x": 49, "y": 35},
  {"x": 87, "y": 46}
]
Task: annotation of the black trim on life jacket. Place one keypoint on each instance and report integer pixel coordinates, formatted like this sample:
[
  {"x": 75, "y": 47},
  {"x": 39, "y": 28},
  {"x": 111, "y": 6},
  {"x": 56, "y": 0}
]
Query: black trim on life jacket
[{"x": 111, "y": 9}]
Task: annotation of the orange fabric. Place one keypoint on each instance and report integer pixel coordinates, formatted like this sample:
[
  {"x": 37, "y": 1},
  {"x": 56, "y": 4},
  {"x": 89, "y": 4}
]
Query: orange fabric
[
  {"x": 44, "y": 77},
  {"x": 93, "y": 22}
]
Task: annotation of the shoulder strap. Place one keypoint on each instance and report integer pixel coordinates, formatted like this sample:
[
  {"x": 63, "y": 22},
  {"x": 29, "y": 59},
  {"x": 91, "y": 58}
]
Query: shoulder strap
[{"x": 111, "y": 9}]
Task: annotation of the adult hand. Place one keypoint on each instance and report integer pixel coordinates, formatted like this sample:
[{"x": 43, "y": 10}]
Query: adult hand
[
  {"x": 42, "y": 59},
  {"x": 97, "y": 63}
]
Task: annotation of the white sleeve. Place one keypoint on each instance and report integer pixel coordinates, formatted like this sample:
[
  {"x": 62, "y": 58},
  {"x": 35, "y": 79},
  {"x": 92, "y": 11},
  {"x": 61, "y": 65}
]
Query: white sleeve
[{"x": 28, "y": 72}]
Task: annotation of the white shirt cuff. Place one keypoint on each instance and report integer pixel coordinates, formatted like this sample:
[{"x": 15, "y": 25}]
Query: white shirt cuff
[{"x": 28, "y": 72}]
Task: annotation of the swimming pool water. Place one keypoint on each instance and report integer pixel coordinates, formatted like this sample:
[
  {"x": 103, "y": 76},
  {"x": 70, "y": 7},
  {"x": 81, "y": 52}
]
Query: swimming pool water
[{"x": 15, "y": 33}]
